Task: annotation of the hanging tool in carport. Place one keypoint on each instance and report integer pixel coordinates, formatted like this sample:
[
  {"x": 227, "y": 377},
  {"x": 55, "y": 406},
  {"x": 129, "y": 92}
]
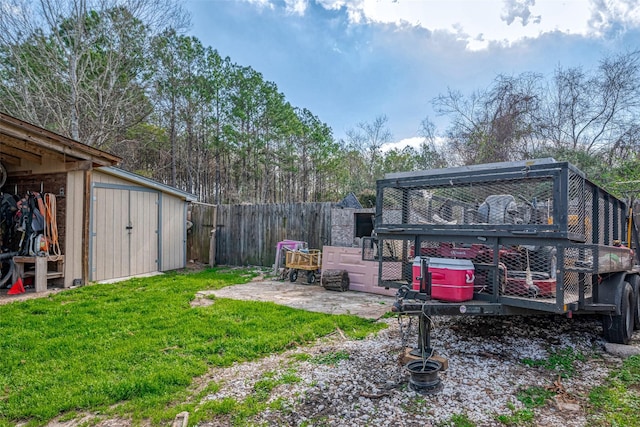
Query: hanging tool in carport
[
  {"x": 37, "y": 225},
  {"x": 51, "y": 226},
  {"x": 28, "y": 227},
  {"x": 31, "y": 225}
]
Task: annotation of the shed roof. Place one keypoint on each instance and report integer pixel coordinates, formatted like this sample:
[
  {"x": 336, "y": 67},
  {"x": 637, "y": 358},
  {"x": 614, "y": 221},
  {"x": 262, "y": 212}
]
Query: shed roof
[
  {"x": 20, "y": 140},
  {"x": 150, "y": 183}
]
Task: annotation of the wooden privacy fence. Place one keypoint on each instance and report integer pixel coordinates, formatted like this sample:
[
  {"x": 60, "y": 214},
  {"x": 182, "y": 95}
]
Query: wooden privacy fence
[
  {"x": 248, "y": 234},
  {"x": 203, "y": 221}
]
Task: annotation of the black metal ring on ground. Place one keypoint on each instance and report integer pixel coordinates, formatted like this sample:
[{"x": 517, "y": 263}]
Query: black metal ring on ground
[{"x": 424, "y": 376}]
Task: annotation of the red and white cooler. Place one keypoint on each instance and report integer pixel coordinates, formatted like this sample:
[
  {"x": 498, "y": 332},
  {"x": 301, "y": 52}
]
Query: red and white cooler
[{"x": 451, "y": 279}]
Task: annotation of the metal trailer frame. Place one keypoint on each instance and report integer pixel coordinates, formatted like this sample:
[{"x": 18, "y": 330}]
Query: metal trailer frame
[{"x": 581, "y": 224}]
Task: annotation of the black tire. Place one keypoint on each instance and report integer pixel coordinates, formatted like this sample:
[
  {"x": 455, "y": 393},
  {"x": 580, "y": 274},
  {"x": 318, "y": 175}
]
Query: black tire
[
  {"x": 3, "y": 175},
  {"x": 311, "y": 277},
  {"x": 619, "y": 328},
  {"x": 6, "y": 272},
  {"x": 634, "y": 280},
  {"x": 293, "y": 275}
]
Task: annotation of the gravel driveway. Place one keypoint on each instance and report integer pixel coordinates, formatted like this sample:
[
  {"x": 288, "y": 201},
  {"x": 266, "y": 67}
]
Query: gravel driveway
[{"x": 485, "y": 375}]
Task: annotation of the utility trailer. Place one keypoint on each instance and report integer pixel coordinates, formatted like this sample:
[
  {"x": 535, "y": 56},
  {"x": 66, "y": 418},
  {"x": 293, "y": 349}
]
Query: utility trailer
[{"x": 514, "y": 238}]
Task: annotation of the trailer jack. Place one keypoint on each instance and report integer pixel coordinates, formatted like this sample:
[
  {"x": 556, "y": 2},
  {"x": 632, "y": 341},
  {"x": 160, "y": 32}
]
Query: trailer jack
[
  {"x": 424, "y": 370},
  {"x": 424, "y": 349}
]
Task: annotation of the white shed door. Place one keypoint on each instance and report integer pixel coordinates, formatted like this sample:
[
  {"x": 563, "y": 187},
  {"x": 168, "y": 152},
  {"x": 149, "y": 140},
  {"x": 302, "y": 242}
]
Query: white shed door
[{"x": 124, "y": 233}]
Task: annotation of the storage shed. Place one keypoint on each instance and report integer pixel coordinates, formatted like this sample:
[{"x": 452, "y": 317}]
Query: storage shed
[
  {"x": 138, "y": 225},
  {"x": 111, "y": 223}
]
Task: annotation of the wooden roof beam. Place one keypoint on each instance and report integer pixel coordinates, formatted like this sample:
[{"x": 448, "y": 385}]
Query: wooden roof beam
[
  {"x": 52, "y": 141},
  {"x": 21, "y": 144},
  {"x": 9, "y": 159},
  {"x": 32, "y": 148},
  {"x": 21, "y": 154}
]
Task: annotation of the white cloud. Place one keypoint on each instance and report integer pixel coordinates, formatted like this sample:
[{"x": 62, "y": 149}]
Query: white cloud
[
  {"x": 334, "y": 4},
  {"x": 414, "y": 142},
  {"x": 514, "y": 9},
  {"x": 297, "y": 7},
  {"x": 479, "y": 23},
  {"x": 261, "y": 3},
  {"x": 609, "y": 13},
  {"x": 354, "y": 8},
  {"x": 399, "y": 145},
  {"x": 483, "y": 19}
]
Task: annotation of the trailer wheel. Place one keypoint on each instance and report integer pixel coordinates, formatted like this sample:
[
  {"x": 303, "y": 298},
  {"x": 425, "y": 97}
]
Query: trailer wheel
[
  {"x": 619, "y": 328},
  {"x": 634, "y": 281},
  {"x": 293, "y": 275}
]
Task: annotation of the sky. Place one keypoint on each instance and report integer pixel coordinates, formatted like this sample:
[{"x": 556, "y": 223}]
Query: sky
[{"x": 349, "y": 62}]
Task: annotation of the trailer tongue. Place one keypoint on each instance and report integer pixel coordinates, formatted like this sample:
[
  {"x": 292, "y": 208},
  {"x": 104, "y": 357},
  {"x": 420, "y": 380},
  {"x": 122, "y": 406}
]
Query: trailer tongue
[{"x": 514, "y": 238}]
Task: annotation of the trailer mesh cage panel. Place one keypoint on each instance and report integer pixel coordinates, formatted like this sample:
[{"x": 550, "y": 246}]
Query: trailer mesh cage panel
[
  {"x": 579, "y": 221},
  {"x": 537, "y": 233},
  {"x": 517, "y": 271},
  {"x": 491, "y": 203},
  {"x": 541, "y": 199}
]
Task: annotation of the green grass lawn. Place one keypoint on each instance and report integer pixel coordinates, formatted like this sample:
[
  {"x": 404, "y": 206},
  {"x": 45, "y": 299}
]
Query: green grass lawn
[
  {"x": 138, "y": 343},
  {"x": 617, "y": 401}
]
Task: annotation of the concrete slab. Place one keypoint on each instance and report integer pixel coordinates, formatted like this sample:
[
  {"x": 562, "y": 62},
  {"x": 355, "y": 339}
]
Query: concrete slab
[{"x": 308, "y": 297}]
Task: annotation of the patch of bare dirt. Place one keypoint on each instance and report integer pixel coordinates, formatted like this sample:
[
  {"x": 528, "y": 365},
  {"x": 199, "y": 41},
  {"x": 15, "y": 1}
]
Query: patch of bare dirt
[{"x": 202, "y": 300}]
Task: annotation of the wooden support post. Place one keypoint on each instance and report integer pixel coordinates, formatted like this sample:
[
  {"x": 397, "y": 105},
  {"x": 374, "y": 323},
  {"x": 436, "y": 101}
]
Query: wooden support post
[
  {"x": 212, "y": 249},
  {"x": 40, "y": 279},
  {"x": 86, "y": 225}
]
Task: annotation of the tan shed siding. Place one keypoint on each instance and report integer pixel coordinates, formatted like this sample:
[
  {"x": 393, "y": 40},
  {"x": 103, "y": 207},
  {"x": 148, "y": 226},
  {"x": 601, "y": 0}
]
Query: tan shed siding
[
  {"x": 73, "y": 233},
  {"x": 145, "y": 252},
  {"x": 174, "y": 223},
  {"x": 103, "y": 178},
  {"x": 113, "y": 255},
  {"x": 144, "y": 232},
  {"x": 110, "y": 249}
]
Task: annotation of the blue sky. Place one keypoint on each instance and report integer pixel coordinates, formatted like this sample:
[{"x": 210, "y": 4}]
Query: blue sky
[{"x": 350, "y": 61}]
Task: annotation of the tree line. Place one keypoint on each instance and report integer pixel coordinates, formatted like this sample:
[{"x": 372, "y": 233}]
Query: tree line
[
  {"x": 589, "y": 117},
  {"x": 122, "y": 76}
]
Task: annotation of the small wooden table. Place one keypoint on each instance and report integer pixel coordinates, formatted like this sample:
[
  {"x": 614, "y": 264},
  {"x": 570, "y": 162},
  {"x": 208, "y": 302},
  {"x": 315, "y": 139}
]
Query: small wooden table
[{"x": 41, "y": 273}]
